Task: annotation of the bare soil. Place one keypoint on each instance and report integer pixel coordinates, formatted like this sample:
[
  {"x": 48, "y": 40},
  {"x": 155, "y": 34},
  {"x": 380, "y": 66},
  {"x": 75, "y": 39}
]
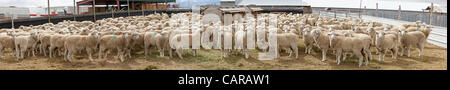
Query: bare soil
[{"x": 434, "y": 58}]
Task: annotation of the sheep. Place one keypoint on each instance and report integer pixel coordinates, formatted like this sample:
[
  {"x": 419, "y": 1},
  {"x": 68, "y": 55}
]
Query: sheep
[
  {"x": 45, "y": 43},
  {"x": 410, "y": 38},
  {"x": 288, "y": 40},
  {"x": 119, "y": 42},
  {"x": 240, "y": 38},
  {"x": 348, "y": 44},
  {"x": 56, "y": 41},
  {"x": 385, "y": 42},
  {"x": 81, "y": 42},
  {"x": 136, "y": 42},
  {"x": 366, "y": 43},
  {"x": 6, "y": 42},
  {"x": 177, "y": 46},
  {"x": 322, "y": 41},
  {"x": 22, "y": 43},
  {"x": 308, "y": 40},
  {"x": 154, "y": 39}
]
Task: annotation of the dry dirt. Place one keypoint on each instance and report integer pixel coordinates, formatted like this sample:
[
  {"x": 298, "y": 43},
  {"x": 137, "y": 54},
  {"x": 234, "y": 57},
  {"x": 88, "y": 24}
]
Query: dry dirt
[{"x": 434, "y": 58}]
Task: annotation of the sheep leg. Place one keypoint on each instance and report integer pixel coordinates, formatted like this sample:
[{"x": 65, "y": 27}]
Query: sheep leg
[
  {"x": 170, "y": 52},
  {"x": 360, "y": 57},
  {"x": 161, "y": 53},
  {"x": 324, "y": 54},
  {"x": 100, "y": 50},
  {"x": 129, "y": 53},
  {"x": 1, "y": 52},
  {"x": 45, "y": 51},
  {"x": 246, "y": 53},
  {"x": 50, "y": 51},
  {"x": 421, "y": 46},
  {"x": 338, "y": 56},
  {"x": 306, "y": 49},
  {"x": 33, "y": 51},
  {"x": 195, "y": 52},
  {"x": 179, "y": 53},
  {"x": 17, "y": 52},
  {"x": 344, "y": 56},
  {"x": 146, "y": 50},
  {"x": 89, "y": 52},
  {"x": 368, "y": 53},
  {"x": 310, "y": 48},
  {"x": 409, "y": 51},
  {"x": 403, "y": 49}
]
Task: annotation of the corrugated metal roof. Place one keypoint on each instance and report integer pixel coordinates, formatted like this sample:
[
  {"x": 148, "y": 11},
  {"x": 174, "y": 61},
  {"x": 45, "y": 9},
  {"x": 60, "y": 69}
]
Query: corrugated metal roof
[{"x": 272, "y": 2}]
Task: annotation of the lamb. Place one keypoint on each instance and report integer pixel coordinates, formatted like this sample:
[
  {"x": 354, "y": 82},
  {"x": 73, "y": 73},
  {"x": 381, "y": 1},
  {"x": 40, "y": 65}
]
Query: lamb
[
  {"x": 56, "y": 41},
  {"x": 385, "y": 42},
  {"x": 22, "y": 43},
  {"x": 119, "y": 42},
  {"x": 154, "y": 39},
  {"x": 288, "y": 40},
  {"x": 136, "y": 42},
  {"x": 410, "y": 38},
  {"x": 45, "y": 43},
  {"x": 178, "y": 47},
  {"x": 308, "y": 40},
  {"x": 348, "y": 44},
  {"x": 81, "y": 42},
  {"x": 366, "y": 43},
  {"x": 322, "y": 41},
  {"x": 6, "y": 42}
]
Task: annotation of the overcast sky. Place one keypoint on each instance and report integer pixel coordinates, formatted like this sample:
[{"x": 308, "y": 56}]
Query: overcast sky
[{"x": 36, "y": 3}]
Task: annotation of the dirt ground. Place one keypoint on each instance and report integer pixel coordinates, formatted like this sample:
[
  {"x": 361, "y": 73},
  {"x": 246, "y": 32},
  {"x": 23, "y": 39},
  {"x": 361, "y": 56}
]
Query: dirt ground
[{"x": 434, "y": 58}]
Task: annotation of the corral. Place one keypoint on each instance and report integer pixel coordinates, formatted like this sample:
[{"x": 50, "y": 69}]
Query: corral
[{"x": 160, "y": 27}]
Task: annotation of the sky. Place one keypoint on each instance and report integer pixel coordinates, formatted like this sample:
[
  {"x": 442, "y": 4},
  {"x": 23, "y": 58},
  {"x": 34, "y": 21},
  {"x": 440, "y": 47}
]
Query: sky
[{"x": 383, "y": 4}]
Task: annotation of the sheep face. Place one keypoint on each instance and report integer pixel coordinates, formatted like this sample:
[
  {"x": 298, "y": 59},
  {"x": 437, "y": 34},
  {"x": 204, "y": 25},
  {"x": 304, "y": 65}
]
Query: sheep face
[
  {"x": 332, "y": 37},
  {"x": 316, "y": 34},
  {"x": 379, "y": 38}
]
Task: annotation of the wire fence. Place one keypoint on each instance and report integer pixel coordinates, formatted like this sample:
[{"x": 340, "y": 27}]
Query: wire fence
[{"x": 437, "y": 19}]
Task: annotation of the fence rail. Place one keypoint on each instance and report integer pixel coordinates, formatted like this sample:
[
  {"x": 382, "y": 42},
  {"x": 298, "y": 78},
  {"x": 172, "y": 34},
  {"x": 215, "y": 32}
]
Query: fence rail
[{"x": 438, "y": 19}]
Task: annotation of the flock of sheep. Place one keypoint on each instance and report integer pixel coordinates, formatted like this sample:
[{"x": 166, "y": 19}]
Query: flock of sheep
[{"x": 126, "y": 35}]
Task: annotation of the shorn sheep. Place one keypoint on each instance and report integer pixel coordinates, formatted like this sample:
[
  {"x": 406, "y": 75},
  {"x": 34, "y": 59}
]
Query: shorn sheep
[
  {"x": 136, "y": 34},
  {"x": 74, "y": 43},
  {"x": 385, "y": 42},
  {"x": 412, "y": 38},
  {"x": 111, "y": 42},
  {"x": 23, "y": 43},
  {"x": 6, "y": 42},
  {"x": 322, "y": 41},
  {"x": 348, "y": 44}
]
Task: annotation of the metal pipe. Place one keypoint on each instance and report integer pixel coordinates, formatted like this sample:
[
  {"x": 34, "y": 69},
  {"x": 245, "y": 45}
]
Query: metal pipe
[
  {"x": 74, "y": 8},
  {"x": 128, "y": 3},
  {"x": 48, "y": 8},
  {"x": 95, "y": 15}
]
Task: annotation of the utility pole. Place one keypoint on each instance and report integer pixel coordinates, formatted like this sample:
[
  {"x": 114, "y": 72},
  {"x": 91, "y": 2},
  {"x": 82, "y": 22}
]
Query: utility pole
[
  {"x": 431, "y": 13},
  {"x": 399, "y": 12},
  {"x": 48, "y": 8},
  {"x": 359, "y": 12},
  {"x": 12, "y": 20},
  {"x": 376, "y": 12},
  {"x": 93, "y": 6},
  {"x": 128, "y": 3},
  {"x": 74, "y": 17}
]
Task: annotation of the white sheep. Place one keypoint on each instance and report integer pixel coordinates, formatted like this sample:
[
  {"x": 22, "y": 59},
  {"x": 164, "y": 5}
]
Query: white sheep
[
  {"x": 412, "y": 38},
  {"x": 385, "y": 42}
]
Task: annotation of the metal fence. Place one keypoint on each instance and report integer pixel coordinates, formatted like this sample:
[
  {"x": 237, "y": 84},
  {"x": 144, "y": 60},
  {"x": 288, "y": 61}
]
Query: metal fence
[
  {"x": 438, "y": 19},
  {"x": 85, "y": 17}
]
